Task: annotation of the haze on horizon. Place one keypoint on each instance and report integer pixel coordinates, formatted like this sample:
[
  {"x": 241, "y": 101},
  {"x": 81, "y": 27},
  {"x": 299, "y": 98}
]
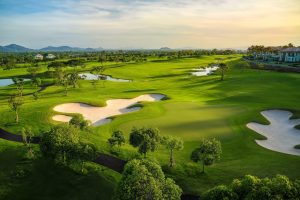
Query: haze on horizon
[{"x": 150, "y": 23}]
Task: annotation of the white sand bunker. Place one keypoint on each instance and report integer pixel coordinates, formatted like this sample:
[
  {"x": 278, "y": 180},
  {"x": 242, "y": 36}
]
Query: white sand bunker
[
  {"x": 281, "y": 134},
  {"x": 100, "y": 115}
]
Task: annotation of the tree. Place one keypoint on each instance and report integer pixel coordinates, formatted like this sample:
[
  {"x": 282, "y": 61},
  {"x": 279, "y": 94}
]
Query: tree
[
  {"x": 220, "y": 192},
  {"x": 19, "y": 82},
  {"x": 65, "y": 83},
  {"x": 146, "y": 139},
  {"x": 251, "y": 187},
  {"x": 33, "y": 70},
  {"x": 223, "y": 67},
  {"x": 117, "y": 138},
  {"x": 15, "y": 102},
  {"x": 36, "y": 82},
  {"x": 143, "y": 179},
  {"x": 35, "y": 95},
  {"x": 73, "y": 78},
  {"x": 59, "y": 143},
  {"x": 172, "y": 144},
  {"x": 208, "y": 152},
  {"x": 98, "y": 71},
  {"x": 82, "y": 152},
  {"x": 27, "y": 135},
  {"x": 79, "y": 122},
  {"x": 102, "y": 58}
]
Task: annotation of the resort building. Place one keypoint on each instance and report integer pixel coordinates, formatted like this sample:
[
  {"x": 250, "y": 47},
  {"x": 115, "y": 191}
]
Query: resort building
[
  {"x": 277, "y": 54},
  {"x": 50, "y": 56},
  {"x": 38, "y": 57},
  {"x": 291, "y": 54}
]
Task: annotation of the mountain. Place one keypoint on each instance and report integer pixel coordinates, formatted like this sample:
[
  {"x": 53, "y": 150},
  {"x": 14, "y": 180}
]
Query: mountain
[
  {"x": 67, "y": 48},
  {"x": 14, "y": 48},
  {"x": 165, "y": 49}
]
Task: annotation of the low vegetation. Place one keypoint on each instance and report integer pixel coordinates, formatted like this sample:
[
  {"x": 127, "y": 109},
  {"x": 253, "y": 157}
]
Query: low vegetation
[
  {"x": 143, "y": 179},
  {"x": 251, "y": 187}
]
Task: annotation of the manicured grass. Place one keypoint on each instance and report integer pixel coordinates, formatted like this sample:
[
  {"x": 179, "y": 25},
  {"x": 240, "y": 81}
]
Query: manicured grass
[{"x": 197, "y": 107}]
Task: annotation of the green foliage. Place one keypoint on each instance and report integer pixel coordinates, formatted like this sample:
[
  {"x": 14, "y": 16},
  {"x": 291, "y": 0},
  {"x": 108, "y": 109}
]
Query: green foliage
[
  {"x": 15, "y": 102},
  {"x": 143, "y": 179},
  {"x": 35, "y": 95},
  {"x": 33, "y": 70},
  {"x": 73, "y": 78},
  {"x": 254, "y": 188},
  {"x": 297, "y": 146},
  {"x": 146, "y": 139},
  {"x": 208, "y": 152},
  {"x": 220, "y": 193},
  {"x": 79, "y": 122},
  {"x": 59, "y": 143},
  {"x": 19, "y": 82},
  {"x": 172, "y": 143},
  {"x": 223, "y": 67},
  {"x": 117, "y": 138},
  {"x": 36, "y": 81},
  {"x": 27, "y": 135}
]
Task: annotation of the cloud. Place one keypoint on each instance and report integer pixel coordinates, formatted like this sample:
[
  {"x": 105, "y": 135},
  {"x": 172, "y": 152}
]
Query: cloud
[{"x": 150, "y": 23}]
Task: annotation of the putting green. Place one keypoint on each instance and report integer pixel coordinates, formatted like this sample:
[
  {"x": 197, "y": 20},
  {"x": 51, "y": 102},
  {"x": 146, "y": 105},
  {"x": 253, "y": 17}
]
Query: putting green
[{"x": 190, "y": 121}]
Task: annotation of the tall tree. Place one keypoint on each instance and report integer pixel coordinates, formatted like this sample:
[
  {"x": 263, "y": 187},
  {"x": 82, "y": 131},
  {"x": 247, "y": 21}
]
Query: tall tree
[
  {"x": 73, "y": 78},
  {"x": 223, "y": 67},
  {"x": 172, "y": 144},
  {"x": 143, "y": 179},
  {"x": 59, "y": 143},
  {"x": 117, "y": 138},
  {"x": 19, "y": 82},
  {"x": 27, "y": 135},
  {"x": 146, "y": 139},
  {"x": 208, "y": 152},
  {"x": 15, "y": 102}
]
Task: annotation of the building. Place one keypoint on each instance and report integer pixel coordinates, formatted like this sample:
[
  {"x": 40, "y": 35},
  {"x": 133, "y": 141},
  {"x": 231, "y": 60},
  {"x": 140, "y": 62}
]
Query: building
[
  {"x": 277, "y": 54},
  {"x": 291, "y": 54},
  {"x": 50, "y": 56},
  {"x": 38, "y": 57}
]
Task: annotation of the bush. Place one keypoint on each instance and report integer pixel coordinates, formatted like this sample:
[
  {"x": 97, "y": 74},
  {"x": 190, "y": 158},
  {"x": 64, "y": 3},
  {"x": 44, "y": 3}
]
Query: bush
[
  {"x": 143, "y": 179},
  {"x": 220, "y": 192},
  {"x": 254, "y": 188},
  {"x": 79, "y": 122}
]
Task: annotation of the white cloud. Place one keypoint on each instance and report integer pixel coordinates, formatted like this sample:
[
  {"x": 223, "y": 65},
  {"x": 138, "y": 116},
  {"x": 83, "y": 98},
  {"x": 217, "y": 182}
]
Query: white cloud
[{"x": 148, "y": 24}]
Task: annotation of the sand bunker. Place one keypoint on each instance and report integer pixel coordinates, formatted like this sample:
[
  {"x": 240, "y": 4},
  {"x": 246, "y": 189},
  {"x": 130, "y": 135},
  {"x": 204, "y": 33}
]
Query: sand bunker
[
  {"x": 281, "y": 134},
  {"x": 100, "y": 115}
]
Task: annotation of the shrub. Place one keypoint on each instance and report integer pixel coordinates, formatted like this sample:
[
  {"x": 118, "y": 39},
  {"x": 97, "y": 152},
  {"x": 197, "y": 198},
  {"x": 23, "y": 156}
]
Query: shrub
[{"x": 79, "y": 122}]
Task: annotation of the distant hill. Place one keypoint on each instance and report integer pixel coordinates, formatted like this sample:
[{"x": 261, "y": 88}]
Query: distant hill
[
  {"x": 67, "y": 48},
  {"x": 19, "y": 49},
  {"x": 14, "y": 48},
  {"x": 165, "y": 49}
]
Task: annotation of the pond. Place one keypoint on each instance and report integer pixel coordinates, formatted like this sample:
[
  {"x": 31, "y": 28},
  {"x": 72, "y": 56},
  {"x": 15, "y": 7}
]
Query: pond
[
  {"x": 89, "y": 76},
  {"x": 9, "y": 81},
  {"x": 205, "y": 71}
]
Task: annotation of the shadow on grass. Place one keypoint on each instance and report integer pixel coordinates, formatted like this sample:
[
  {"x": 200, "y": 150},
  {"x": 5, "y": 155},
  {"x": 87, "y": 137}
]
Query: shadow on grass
[{"x": 45, "y": 180}]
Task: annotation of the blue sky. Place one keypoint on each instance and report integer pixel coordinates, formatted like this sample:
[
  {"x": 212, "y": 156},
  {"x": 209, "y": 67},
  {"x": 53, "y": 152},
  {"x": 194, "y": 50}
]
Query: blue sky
[{"x": 149, "y": 23}]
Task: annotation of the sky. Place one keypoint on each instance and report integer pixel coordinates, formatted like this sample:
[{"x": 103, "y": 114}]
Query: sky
[{"x": 150, "y": 23}]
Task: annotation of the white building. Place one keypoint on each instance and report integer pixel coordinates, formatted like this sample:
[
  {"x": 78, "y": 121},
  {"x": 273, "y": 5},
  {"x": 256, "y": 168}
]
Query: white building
[
  {"x": 50, "y": 56},
  {"x": 38, "y": 57},
  {"x": 291, "y": 54}
]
